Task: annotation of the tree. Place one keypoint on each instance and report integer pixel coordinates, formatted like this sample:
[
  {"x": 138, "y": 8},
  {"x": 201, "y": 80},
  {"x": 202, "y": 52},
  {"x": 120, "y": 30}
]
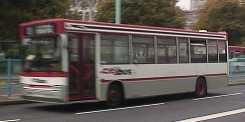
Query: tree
[
  {"x": 143, "y": 12},
  {"x": 223, "y": 15},
  {"x": 13, "y": 12},
  {"x": 83, "y": 9}
]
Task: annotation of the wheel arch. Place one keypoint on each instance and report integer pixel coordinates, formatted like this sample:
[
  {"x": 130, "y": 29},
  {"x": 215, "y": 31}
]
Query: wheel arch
[
  {"x": 202, "y": 79},
  {"x": 118, "y": 83}
]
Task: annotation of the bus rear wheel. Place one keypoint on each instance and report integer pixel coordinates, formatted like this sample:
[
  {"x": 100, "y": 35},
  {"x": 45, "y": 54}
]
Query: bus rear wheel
[
  {"x": 115, "y": 96},
  {"x": 201, "y": 88}
]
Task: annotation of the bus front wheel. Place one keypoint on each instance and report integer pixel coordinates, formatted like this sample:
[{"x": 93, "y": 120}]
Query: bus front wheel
[
  {"x": 115, "y": 96},
  {"x": 201, "y": 88}
]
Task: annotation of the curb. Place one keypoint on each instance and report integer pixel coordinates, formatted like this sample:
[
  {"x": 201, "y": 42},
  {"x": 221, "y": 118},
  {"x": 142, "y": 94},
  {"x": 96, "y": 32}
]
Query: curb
[
  {"x": 14, "y": 102},
  {"x": 233, "y": 83}
]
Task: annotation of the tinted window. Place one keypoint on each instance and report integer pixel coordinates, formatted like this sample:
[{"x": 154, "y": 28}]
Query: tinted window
[
  {"x": 143, "y": 49},
  {"x": 212, "y": 51},
  {"x": 198, "y": 51},
  {"x": 167, "y": 50},
  {"x": 73, "y": 48},
  {"x": 114, "y": 49},
  {"x": 183, "y": 50},
  {"x": 222, "y": 51}
]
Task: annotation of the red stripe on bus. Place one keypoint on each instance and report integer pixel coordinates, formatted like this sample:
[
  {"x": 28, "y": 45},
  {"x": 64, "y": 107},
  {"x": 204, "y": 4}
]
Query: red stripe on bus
[
  {"x": 43, "y": 74},
  {"x": 161, "y": 78},
  {"x": 40, "y": 86}
]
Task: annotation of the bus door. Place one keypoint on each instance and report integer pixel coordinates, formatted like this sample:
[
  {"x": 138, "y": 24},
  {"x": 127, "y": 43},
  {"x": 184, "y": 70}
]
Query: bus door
[{"x": 81, "y": 66}]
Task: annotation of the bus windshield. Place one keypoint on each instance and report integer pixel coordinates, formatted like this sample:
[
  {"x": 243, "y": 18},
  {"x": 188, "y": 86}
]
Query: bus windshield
[{"x": 43, "y": 54}]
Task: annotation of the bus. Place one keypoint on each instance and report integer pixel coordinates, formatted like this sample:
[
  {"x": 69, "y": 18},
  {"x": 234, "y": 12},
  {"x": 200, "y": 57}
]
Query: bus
[
  {"x": 75, "y": 61},
  {"x": 236, "y": 63},
  {"x": 236, "y": 51}
]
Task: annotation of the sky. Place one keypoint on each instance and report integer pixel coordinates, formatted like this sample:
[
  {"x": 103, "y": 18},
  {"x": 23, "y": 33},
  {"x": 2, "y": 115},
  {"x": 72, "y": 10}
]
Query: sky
[{"x": 184, "y": 4}]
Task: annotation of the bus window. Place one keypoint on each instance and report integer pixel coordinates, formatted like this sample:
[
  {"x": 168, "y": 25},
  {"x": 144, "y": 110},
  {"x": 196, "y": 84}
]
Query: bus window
[
  {"x": 167, "y": 50},
  {"x": 198, "y": 51},
  {"x": 73, "y": 48},
  {"x": 222, "y": 51},
  {"x": 183, "y": 50},
  {"x": 212, "y": 51},
  {"x": 143, "y": 50},
  {"x": 88, "y": 49},
  {"x": 44, "y": 54},
  {"x": 114, "y": 49}
]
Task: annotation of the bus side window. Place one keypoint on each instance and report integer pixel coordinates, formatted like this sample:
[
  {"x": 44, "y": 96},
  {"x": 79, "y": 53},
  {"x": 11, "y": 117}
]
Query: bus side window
[
  {"x": 73, "y": 48},
  {"x": 222, "y": 51},
  {"x": 183, "y": 50},
  {"x": 167, "y": 50},
  {"x": 114, "y": 49},
  {"x": 143, "y": 50},
  {"x": 212, "y": 51},
  {"x": 198, "y": 51}
]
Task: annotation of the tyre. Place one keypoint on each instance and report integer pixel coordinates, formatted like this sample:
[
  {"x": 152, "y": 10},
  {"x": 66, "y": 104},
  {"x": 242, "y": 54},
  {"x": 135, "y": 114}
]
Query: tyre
[
  {"x": 115, "y": 95},
  {"x": 201, "y": 88}
]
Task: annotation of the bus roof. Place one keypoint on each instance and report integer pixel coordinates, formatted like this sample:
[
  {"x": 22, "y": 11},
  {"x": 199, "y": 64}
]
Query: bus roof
[{"x": 113, "y": 25}]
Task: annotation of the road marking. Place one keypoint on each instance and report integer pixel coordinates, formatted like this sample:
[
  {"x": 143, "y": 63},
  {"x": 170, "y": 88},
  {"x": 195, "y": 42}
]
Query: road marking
[
  {"x": 13, "y": 120},
  {"x": 217, "y": 96},
  {"x": 214, "y": 116},
  {"x": 116, "y": 109}
]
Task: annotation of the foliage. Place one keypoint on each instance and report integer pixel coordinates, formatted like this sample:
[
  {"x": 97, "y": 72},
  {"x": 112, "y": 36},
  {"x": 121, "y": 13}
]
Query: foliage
[
  {"x": 13, "y": 12},
  {"x": 223, "y": 15},
  {"x": 77, "y": 6},
  {"x": 143, "y": 12}
]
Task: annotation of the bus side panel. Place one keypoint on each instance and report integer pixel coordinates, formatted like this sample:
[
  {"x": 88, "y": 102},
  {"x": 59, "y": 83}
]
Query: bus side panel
[
  {"x": 138, "y": 89},
  {"x": 158, "y": 87},
  {"x": 217, "y": 81},
  {"x": 103, "y": 91},
  {"x": 146, "y": 88},
  {"x": 214, "y": 82},
  {"x": 142, "y": 80}
]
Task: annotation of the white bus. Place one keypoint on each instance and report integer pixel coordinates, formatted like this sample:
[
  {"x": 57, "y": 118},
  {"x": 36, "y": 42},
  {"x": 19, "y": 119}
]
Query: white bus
[{"x": 76, "y": 61}]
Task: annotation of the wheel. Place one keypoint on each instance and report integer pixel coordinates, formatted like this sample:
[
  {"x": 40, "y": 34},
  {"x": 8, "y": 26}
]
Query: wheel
[
  {"x": 115, "y": 96},
  {"x": 201, "y": 88}
]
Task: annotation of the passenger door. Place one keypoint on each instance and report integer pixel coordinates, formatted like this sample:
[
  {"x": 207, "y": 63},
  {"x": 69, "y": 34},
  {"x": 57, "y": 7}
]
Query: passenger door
[{"x": 82, "y": 66}]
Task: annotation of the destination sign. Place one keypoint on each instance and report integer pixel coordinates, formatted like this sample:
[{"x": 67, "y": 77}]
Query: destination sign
[
  {"x": 44, "y": 29},
  {"x": 40, "y": 29}
]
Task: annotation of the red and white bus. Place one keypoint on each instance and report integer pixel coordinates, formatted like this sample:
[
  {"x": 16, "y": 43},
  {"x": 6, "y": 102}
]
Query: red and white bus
[
  {"x": 236, "y": 51},
  {"x": 76, "y": 61}
]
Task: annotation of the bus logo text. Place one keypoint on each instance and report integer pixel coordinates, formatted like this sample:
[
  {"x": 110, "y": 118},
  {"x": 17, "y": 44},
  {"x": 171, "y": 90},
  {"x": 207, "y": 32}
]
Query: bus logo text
[
  {"x": 38, "y": 80},
  {"x": 116, "y": 71}
]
